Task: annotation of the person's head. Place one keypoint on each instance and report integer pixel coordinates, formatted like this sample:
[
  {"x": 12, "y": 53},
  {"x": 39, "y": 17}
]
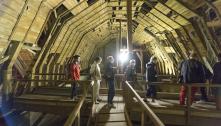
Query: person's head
[
  {"x": 193, "y": 55},
  {"x": 132, "y": 62},
  {"x": 153, "y": 59},
  {"x": 110, "y": 59},
  {"x": 219, "y": 57},
  {"x": 77, "y": 58},
  {"x": 98, "y": 60}
]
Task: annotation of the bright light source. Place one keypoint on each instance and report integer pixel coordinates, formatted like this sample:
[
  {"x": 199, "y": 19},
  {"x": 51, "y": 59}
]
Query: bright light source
[{"x": 123, "y": 55}]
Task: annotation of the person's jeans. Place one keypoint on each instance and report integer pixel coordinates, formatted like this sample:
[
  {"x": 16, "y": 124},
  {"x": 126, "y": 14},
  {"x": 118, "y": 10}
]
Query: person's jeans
[
  {"x": 74, "y": 89},
  {"x": 151, "y": 91},
  {"x": 203, "y": 94},
  {"x": 111, "y": 91}
]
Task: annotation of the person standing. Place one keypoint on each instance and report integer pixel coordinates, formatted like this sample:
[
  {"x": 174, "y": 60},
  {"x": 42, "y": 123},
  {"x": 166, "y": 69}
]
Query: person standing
[
  {"x": 130, "y": 71},
  {"x": 96, "y": 77},
  {"x": 216, "y": 79},
  {"x": 192, "y": 71},
  {"x": 151, "y": 76},
  {"x": 208, "y": 76},
  {"x": 75, "y": 75},
  {"x": 109, "y": 76}
]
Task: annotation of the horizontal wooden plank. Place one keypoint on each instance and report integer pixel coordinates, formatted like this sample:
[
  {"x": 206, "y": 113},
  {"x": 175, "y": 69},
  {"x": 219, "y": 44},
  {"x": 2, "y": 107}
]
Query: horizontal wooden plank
[
  {"x": 118, "y": 117},
  {"x": 53, "y": 3},
  {"x": 112, "y": 124},
  {"x": 9, "y": 10},
  {"x": 6, "y": 16},
  {"x": 5, "y": 32}
]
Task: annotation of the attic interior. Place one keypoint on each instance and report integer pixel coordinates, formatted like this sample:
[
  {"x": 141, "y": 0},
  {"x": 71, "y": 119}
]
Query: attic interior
[{"x": 40, "y": 37}]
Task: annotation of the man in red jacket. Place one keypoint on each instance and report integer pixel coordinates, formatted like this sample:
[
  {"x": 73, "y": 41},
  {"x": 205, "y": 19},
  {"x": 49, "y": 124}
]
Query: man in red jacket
[{"x": 75, "y": 75}]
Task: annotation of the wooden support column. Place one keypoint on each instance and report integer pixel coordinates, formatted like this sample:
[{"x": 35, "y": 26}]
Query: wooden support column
[
  {"x": 188, "y": 105},
  {"x": 140, "y": 56},
  {"x": 118, "y": 45},
  {"x": 79, "y": 119},
  {"x": 4, "y": 59},
  {"x": 17, "y": 22},
  {"x": 142, "y": 119},
  {"x": 117, "y": 50},
  {"x": 129, "y": 25},
  {"x": 7, "y": 73}
]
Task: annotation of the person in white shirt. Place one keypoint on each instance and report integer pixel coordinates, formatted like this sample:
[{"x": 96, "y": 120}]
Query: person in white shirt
[{"x": 96, "y": 77}]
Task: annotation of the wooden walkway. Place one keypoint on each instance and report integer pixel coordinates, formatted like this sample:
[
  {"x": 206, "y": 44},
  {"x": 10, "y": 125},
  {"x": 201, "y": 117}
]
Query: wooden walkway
[
  {"x": 203, "y": 114},
  {"x": 109, "y": 116}
]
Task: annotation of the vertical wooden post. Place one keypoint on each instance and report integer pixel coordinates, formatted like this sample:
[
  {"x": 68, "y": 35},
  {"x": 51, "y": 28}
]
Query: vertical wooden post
[
  {"x": 129, "y": 25},
  {"x": 142, "y": 119},
  {"x": 140, "y": 56},
  {"x": 118, "y": 46},
  {"x": 188, "y": 105},
  {"x": 79, "y": 119}
]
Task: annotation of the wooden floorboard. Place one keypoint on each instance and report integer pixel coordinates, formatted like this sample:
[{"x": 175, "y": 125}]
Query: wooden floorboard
[
  {"x": 106, "y": 116},
  {"x": 112, "y": 124}
]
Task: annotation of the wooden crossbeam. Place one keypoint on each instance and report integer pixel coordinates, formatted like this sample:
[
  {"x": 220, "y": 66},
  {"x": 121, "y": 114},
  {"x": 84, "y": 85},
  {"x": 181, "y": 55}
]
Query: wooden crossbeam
[{"x": 4, "y": 59}]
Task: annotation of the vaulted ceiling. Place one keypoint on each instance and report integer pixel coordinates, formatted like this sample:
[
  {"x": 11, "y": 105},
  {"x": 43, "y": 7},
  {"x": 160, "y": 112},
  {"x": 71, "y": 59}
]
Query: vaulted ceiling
[{"x": 62, "y": 28}]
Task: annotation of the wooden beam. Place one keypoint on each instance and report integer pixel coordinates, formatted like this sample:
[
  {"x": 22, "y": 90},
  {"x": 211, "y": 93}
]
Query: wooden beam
[
  {"x": 84, "y": 28},
  {"x": 142, "y": 119},
  {"x": 7, "y": 84},
  {"x": 140, "y": 56},
  {"x": 216, "y": 23},
  {"x": 75, "y": 29},
  {"x": 129, "y": 25},
  {"x": 17, "y": 22},
  {"x": 4, "y": 59}
]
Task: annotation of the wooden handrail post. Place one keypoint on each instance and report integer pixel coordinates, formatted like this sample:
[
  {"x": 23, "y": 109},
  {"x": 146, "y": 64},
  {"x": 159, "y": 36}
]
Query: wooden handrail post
[
  {"x": 142, "y": 119},
  {"x": 188, "y": 105},
  {"x": 133, "y": 94},
  {"x": 79, "y": 119}
]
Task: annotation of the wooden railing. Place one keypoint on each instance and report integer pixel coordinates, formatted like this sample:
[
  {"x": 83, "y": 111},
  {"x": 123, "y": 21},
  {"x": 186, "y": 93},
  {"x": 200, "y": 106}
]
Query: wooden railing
[
  {"x": 27, "y": 85},
  {"x": 75, "y": 114},
  {"x": 187, "y": 106},
  {"x": 129, "y": 94}
]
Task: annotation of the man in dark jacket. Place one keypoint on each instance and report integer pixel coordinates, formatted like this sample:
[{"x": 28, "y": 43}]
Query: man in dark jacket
[
  {"x": 109, "y": 76},
  {"x": 217, "y": 80},
  {"x": 151, "y": 76},
  {"x": 192, "y": 71}
]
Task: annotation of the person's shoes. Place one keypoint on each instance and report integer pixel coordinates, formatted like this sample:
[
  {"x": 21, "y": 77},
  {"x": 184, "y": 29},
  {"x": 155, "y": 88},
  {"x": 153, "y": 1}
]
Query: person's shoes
[
  {"x": 97, "y": 102},
  {"x": 182, "y": 103},
  {"x": 111, "y": 106},
  {"x": 145, "y": 100},
  {"x": 153, "y": 100},
  {"x": 99, "y": 99},
  {"x": 73, "y": 99},
  {"x": 201, "y": 102}
]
